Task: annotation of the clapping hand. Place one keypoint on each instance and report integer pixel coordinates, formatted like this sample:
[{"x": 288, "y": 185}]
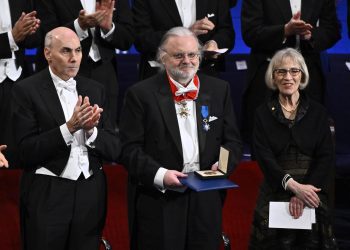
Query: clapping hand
[
  {"x": 102, "y": 17},
  {"x": 296, "y": 26},
  {"x": 108, "y": 7},
  {"x": 26, "y": 25},
  {"x": 84, "y": 116},
  {"x": 87, "y": 21}
]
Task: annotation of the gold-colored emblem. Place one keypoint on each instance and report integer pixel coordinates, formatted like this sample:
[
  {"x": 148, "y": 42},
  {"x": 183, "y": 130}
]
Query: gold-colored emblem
[{"x": 183, "y": 110}]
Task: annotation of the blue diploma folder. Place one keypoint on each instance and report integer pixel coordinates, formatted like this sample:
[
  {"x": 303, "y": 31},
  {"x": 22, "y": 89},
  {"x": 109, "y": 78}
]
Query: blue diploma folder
[{"x": 197, "y": 184}]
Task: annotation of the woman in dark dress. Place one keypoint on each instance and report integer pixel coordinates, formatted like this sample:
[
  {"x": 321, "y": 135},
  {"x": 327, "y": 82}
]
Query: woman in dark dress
[{"x": 293, "y": 145}]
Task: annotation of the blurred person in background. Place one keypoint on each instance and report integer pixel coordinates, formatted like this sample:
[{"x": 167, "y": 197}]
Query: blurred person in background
[
  {"x": 210, "y": 20},
  {"x": 18, "y": 30}
]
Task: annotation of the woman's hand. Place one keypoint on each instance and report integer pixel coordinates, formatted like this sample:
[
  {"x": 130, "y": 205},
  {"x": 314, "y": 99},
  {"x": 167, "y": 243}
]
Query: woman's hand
[
  {"x": 305, "y": 192},
  {"x": 296, "y": 207}
]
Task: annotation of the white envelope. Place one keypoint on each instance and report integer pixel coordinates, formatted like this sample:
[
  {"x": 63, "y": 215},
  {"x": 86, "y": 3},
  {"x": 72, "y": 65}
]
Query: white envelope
[{"x": 279, "y": 217}]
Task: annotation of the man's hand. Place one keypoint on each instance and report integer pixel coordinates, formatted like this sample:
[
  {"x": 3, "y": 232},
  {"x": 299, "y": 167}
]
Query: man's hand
[
  {"x": 26, "y": 25},
  {"x": 94, "y": 119},
  {"x": 87, "y": 21},
  {"x": 296, "y": 26},
  {"x": 296, "y": 207},
  {"x": 171, "y": 178},
  {"x": 107, "y": 6},
  {"x": 215, "y": 166},
  {"x": 81, "y": 116},
  {"x": 3, "y": 161},
  {"x": 210, "y": 46},
  {"x": 202, "y": 26}
]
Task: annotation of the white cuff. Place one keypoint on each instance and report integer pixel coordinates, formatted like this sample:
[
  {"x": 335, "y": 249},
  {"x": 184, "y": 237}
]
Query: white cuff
[
  {"x": 159, "y": 177},
  {"x": 13, "y": 44},
  {"x": 90, "y": 142},
  {"x": 82, "y": 34},
  {"x": 108, "y": 36},
  {"x": 67, "y": 136}
]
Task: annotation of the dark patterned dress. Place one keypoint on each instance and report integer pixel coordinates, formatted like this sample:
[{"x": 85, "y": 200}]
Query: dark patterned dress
[{"x": 297, "y": 164}]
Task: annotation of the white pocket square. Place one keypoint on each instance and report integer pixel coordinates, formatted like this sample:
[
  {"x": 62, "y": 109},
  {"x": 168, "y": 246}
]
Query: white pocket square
[
  {"x": 212, "y": 118},
  {"x": 210, "y": 15}
]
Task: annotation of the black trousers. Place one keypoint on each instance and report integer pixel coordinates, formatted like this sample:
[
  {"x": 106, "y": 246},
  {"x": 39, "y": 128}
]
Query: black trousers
[
  {"x": 61, "y": 214},
  {"x": 178, "y": 221}
]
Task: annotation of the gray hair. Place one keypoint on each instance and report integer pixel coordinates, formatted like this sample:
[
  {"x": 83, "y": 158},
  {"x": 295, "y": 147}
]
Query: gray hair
[
  {"x": 278, "y": 59},
  {"x": 48, "y": 39},
  {"x": 175, "y": 32}
]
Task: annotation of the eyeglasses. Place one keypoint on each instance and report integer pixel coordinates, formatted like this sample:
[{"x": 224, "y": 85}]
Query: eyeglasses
[
  {"x": 291, "y": 71},
  {"x": 181, "y": 56}
]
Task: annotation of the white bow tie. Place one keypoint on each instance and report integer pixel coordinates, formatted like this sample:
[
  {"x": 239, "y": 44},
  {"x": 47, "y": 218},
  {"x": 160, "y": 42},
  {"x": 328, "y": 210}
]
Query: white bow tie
[
  {"x": 182, "y": 91},
  {"x": 69, "y": 85}
]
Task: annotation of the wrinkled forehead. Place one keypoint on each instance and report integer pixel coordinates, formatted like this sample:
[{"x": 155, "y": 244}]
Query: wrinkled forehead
[
  {"x": 181, "y": 44},
  {"x": 67, "y": 40}
]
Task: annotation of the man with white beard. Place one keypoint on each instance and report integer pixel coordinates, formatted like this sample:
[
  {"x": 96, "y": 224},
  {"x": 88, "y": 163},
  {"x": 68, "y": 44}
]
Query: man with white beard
[{"x": 171, "y": 124}]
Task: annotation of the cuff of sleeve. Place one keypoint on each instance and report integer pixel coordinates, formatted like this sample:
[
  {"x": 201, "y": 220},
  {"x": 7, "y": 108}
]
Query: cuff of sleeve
[
  {"x": 285, "y": 181},
  {"x": 82, "y": 34},
  {"x": 108, "y": 36},
  {"x": 67, "y": 136},
  {"x": 12, "y": 42},
  {"x": 159, "y": 177},
  {"x": 90, "y": 142}
]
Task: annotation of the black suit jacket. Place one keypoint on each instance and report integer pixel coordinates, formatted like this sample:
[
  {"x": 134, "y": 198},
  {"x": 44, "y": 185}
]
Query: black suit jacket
[
  {"x": 263, "y": 29},
  {"x": 153, "y": 18},
  {"x": 310, "y": 134},
  {"x": 151, "y": 138},
  {"x": 37, "y": 116},
  {"x": 16, "y": 9},
  {"x": 55, "y": 13}
]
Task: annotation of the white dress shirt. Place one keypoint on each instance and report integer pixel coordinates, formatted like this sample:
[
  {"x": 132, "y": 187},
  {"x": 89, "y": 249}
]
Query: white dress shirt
[
  {"x": 189, "y": 136},
  {"x": 78, "y": 161},
  {"x": 296, "y": 6},
  {"x": 187, "y": 11},
  {"x": 8, "y": 66},
  {"x": 90, "y": 7}
]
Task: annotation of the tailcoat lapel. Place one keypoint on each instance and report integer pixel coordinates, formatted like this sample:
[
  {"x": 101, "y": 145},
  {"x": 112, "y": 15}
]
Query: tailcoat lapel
[
  {"x": 75, "y": 7},
  {"x": 202, "y": 100},
  {"x": 16, "y": 6},
  {"x": 306, "y": 9},
  {"x": 286, "y": 10},
  {"x": 167, "y": 108},
  {"x": 49, "y": 95},
  {"x": 202, "y": 9},
  {"x": 82, "y": 88},
  {"x": 171, "y": 9}
]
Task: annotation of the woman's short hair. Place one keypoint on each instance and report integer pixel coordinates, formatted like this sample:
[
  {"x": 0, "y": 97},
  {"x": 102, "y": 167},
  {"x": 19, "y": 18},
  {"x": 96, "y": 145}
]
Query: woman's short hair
[
  {"x": 176, "y": 32},
  {"x": 277, "y": 61}
]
